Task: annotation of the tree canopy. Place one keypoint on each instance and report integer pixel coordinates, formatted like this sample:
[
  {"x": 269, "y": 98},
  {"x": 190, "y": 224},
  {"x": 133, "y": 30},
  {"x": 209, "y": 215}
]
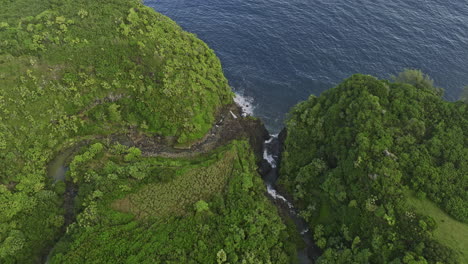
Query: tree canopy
[{"x": 354, "y": 156}]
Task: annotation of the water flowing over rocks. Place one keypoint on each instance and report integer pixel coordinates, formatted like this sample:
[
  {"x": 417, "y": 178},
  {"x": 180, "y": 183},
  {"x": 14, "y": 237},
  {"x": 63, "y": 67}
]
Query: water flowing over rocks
[{"x": 272, "y": 149}]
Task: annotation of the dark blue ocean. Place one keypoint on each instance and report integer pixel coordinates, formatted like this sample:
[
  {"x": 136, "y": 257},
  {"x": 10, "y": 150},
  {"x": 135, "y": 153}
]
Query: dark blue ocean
[{"x": 277, "y": 52}]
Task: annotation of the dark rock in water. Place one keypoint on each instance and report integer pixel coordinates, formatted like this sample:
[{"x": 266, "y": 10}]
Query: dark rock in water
[
  {"x": 264, "y": 167},
  {"x": 255, "y": 131},
  {"x": 281, "y": 139},
  {"x": 282, "y": 136}
]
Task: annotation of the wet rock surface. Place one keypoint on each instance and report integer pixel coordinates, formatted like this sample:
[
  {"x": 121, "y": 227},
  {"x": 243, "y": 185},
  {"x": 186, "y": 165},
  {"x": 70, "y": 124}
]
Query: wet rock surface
[
  {"x": 228, "y": 127},
  {"x": 273, "y": 147}
]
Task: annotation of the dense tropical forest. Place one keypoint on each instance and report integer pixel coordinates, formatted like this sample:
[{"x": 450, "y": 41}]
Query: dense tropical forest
[
  {"x": 380, "y": 171},
  {"x": 120, "y": 143}
]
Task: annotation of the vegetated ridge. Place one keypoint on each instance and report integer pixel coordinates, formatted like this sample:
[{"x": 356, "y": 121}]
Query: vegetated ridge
[{"x": 354, "y": 155}]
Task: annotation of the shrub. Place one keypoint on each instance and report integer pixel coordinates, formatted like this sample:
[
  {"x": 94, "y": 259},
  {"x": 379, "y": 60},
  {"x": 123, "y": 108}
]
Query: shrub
[{"x": 201, "y": 206}]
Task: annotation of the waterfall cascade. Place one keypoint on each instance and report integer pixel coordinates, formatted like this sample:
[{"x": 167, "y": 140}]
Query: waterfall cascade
[{"x": 271, "y": 154}]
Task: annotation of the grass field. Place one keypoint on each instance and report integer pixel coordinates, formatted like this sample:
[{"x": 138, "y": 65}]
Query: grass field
[
  {"x": 178, "y": 196},
  {"x": 450, "y": 232}
]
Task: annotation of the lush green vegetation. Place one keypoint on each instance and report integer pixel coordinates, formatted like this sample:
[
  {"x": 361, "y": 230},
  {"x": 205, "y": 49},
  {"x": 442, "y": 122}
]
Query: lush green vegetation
[
  {"x": 208, "y": 209},
  {"x": 351, "y": 153},
  {"x": 173, "y": 197},
  {"x": 449, "y": 231},
  {"x": 355, "y": 158},
  {"x": 71, "y": 70}
]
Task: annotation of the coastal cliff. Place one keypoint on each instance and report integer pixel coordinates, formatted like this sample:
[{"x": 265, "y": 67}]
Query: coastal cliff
[{"x": 120, "y": 142}]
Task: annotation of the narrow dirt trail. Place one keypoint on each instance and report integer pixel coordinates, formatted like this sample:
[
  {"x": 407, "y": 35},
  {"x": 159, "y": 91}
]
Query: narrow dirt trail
[{"x": 230, "y": 126}]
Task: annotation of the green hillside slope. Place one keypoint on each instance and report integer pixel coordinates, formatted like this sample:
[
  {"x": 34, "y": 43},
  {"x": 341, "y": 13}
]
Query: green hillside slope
[
  {"x": 72, "y": 70},
  {"x": 449, "y": 231}
]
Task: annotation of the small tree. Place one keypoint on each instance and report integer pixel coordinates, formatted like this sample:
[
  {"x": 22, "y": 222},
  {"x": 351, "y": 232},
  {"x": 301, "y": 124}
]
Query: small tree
[
  {"x": 418, "y": 79},
  {"x": 222, "y": 257},
  {"x": 12, "y": 244},
  {"x": 83, "y": 13},
  {"x": 114, "y": 113},
  {"x": 201, "y": 206},
  {"x": 133, "y": 154}
]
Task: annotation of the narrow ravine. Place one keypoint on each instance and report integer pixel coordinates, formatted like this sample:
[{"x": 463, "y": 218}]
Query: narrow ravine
[
  {"x": 271, "y": 154},
  {"x": 57, "y": 170}
]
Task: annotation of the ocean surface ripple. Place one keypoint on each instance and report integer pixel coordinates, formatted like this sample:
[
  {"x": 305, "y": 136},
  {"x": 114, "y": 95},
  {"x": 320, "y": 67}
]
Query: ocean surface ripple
[{"x": 279, "y": 52}]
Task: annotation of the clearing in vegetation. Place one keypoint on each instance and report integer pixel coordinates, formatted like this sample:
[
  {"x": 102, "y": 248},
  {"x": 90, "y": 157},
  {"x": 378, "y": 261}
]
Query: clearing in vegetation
[
  {"x": 449, "y": 232},
  {"x": 174, "y": 197}
]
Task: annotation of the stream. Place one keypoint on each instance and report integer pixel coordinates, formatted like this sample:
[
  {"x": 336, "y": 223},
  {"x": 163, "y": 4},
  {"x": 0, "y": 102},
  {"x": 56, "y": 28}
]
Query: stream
[
  {"x": 271, "y": 153},
  {"x": 57, "y": 170}
]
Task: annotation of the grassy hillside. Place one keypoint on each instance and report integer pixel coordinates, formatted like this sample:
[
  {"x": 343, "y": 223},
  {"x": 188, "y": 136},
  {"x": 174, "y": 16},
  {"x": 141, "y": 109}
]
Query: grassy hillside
[
  {"x": 71, "y": 70},
  {"x": 350, "y": 154},
  {"x": 173, "y": 198},
  {"x": 449, "y": 231}
]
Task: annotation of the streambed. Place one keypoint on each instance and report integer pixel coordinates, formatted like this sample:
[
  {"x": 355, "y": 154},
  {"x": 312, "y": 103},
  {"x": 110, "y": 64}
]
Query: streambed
[
  {"x": 271, "y": 154},
  {"x": 57, "y": 170}
]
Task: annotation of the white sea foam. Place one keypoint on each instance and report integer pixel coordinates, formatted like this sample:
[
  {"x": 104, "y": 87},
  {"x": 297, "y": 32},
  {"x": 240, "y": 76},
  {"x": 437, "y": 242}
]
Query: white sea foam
[
  {"x": 273, "y": 193},
  {"x": 246, "y": 103}
]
